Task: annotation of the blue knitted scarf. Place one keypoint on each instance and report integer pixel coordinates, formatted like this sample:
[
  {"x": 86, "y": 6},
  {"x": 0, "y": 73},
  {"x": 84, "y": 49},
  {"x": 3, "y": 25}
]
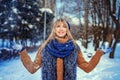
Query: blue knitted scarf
[
  {"x": 60, "y": 50},
  {"x": 53, "y": 50}
]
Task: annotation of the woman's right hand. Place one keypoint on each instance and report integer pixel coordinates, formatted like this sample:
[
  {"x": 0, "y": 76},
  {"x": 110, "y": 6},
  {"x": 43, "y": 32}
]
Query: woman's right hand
[{"x": 19, "y": 47}]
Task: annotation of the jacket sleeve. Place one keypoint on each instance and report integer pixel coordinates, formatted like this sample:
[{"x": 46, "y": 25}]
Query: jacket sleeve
[
  {"x": 88, "y": 66},
  {"x": 32, "y": 67}
]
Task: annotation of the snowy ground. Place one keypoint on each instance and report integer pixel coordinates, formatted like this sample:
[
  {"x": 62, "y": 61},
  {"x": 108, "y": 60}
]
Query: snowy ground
[{"x": 107, "y": 69}]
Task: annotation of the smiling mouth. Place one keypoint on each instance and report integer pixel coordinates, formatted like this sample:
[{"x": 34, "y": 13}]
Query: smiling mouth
[{"x": 60, "y": 32}]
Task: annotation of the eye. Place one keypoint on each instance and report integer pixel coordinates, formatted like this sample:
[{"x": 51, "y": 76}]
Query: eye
[
  {"x": 58, "y": 26},
  {"x": 64, "y": 26}
]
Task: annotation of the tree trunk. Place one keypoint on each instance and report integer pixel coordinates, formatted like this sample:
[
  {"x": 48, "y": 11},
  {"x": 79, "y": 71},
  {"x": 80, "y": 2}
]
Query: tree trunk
[
  {"x": 86, "y": 22},
  {"x": 117, "y": 31}
]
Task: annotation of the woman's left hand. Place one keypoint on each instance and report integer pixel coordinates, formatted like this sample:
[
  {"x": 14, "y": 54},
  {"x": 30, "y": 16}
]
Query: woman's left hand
[{"x": 108, "y": 50}]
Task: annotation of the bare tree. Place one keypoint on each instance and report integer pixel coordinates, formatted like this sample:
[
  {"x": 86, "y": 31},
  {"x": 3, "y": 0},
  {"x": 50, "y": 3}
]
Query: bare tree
[
  {"x": 103, "y": 17},
  {"x": 85, "y": 37},
  {"x": 116, "y": 22}
]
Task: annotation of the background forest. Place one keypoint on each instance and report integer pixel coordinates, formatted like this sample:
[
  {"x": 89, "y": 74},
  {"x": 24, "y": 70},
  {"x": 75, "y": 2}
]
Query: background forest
[
  {"x": 28, "y": 22},
  {"x": 94, "y": 24}
]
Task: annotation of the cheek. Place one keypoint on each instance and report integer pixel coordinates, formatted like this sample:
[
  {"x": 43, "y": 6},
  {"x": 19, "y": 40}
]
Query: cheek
[
  {"x": 56, "y": 30},
  {"x": 66, "y": 30}
]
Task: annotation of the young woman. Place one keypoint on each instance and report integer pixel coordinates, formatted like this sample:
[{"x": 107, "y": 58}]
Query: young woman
[{"x": 59, "y": 55}]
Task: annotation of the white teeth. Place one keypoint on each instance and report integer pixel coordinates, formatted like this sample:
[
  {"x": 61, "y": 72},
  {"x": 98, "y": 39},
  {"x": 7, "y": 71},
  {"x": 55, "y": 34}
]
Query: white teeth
[{"x": 60, "y": 32}]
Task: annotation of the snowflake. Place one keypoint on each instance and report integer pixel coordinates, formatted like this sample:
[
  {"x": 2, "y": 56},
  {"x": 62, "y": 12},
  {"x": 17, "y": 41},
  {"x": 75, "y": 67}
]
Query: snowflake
[{"x": 14, "y": 10}]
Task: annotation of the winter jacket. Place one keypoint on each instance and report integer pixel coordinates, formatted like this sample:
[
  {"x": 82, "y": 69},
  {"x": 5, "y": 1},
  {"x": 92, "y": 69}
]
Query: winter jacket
[{"x": 37, "y": 63}]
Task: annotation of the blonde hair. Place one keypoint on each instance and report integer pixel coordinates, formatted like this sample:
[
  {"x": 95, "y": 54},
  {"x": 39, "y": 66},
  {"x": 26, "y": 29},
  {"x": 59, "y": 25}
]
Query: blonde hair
[{"x": 52, "y": 35}]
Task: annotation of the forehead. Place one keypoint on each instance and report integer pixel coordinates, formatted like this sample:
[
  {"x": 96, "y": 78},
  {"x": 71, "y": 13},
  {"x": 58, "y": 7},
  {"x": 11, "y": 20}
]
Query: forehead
[{"x": 60, "y": 23}]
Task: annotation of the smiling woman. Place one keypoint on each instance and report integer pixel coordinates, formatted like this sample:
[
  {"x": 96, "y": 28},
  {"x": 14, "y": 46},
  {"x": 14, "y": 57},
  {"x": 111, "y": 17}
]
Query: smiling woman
[
  {"x": 59, "y": 55},
  {"x": 60, "y": 29}
]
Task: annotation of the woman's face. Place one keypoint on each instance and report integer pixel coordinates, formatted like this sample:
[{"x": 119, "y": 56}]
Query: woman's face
[{"x": 60, "y": 30}]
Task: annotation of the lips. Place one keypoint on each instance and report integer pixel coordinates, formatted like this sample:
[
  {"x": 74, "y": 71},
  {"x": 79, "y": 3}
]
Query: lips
[{"x": 61, "y": 32}]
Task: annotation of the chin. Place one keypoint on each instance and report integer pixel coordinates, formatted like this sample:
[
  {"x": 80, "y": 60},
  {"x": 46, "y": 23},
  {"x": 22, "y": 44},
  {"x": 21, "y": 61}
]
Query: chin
[{"x": 61, "y": 36}]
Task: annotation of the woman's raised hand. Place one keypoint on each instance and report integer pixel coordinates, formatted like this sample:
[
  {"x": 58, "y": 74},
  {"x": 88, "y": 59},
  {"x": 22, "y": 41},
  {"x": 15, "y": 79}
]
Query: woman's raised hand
[{"x": 19, "y": 47}]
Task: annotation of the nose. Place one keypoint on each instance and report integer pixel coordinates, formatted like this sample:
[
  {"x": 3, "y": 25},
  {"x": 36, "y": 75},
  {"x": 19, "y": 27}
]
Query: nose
[{"x": 61, "y": 28}]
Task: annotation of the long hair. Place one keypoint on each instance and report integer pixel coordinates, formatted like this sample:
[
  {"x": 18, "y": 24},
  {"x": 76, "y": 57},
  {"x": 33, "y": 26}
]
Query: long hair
[{"x": 52, "y": 34}]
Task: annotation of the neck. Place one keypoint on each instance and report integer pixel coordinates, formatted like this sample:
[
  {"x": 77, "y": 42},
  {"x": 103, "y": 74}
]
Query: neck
[{"x": 62, "y": 40}]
